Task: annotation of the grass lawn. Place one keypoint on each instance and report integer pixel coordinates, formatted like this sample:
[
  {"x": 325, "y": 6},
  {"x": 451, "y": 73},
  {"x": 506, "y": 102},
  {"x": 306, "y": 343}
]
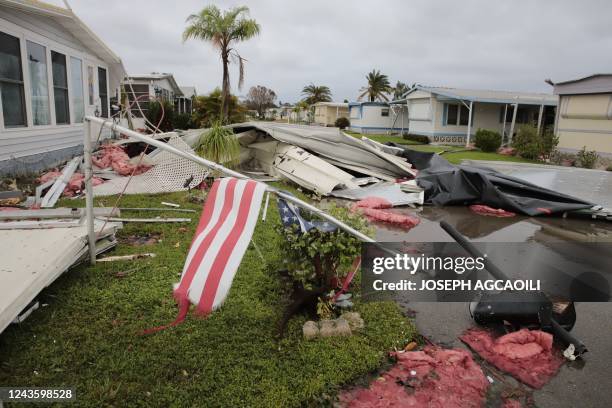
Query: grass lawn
[
  {"x": 451, "y": 157},
  {"x": 87, "y": 335}
]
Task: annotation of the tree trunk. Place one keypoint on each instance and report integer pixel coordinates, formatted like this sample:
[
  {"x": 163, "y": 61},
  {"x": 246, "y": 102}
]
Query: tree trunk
[{"x": 225, "y": 90}]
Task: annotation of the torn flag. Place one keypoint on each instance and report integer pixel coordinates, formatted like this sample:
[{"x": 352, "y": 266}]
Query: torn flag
[{"x": 221, "y": 239}]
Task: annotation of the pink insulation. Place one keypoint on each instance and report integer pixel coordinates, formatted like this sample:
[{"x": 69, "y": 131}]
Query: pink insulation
[
  {"x": 116, "y": 157},
  {"x": 527, "y": 355},
  {"x": 490, "y": 211},
  {"x": 507, "y": 151},
  {"x": 75, "y": 184},
  {"x": 433, "y": 377},
  {"x": 373, "y": 209}
]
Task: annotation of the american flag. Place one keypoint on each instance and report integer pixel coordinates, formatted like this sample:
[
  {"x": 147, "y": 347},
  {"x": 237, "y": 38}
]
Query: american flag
[
  {"x": 290, "y": 215},
  {"x": 221, "y": 239}
]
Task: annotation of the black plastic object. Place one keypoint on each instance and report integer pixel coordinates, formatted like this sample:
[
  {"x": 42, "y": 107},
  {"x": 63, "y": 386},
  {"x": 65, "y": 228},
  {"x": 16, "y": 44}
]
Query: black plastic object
[
  {"x": 449, "y": 184},
  {"x": 515, "y": 307}
]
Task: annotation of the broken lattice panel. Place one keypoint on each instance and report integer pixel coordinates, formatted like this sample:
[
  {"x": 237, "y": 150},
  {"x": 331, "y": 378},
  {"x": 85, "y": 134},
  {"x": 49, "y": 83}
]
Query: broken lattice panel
[{"x": 169, "y": 173}]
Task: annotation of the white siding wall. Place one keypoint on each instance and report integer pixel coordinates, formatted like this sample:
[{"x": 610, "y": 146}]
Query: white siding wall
[
  {"x": 370, "y": 119},
  {"x": 34, "y": 140}
]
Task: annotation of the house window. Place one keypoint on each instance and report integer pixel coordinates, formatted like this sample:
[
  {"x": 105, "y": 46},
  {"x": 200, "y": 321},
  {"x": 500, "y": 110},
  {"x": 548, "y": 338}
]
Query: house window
[
  {"x": 90, "y": 84},
  {"x": 456, "y": 115},
  {"x": 103, "y": 92},
  {"x": 76, "y": 88},
  {"x": 138, "y": 96},
  {"x": 384, "y": 112},
  {"x": 39, "y": 86},
  {"x": 11, "y": 82},
  {"x": 60, "y": 88}
]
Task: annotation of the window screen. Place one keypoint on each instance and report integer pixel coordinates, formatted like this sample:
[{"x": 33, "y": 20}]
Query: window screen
[
  {"x": 103, "y": 92},
  {"x": 39, "y": 85},
  {"x": 60, "y": 88},
  {"x": 76, "y": 88}
]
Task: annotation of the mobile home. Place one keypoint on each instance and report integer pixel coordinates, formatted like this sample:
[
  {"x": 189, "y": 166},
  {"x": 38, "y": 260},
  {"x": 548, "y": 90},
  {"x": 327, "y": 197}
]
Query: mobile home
[
  {"x": 377, "y": 117},
  {"x": 326, "y": 113},
  {"x": 53, "y": 71},
  {"x": 585, "y": 114},
  {"x": 453, "y": 115}
]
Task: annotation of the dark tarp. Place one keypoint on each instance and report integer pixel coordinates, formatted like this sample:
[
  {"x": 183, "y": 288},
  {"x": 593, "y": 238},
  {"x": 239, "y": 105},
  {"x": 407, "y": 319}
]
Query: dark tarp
[{"x": 449, "y": 184}]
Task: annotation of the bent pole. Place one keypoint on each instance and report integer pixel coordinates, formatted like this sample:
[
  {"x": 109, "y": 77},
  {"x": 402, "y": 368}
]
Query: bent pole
[{"x": 216, "y": 166}]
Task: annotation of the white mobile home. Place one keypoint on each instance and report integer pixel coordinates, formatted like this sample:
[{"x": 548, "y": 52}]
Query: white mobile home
[
  {"x": 377, "y": 117},
  {"x": 443, "y": 114},
  {"x": 585, "y": 114},
  {"x": 53, "y": 71},
  {"x": 326, "y": 113}
]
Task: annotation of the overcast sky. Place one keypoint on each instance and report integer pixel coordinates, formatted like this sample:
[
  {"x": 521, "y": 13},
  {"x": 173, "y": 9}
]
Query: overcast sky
[{"x": 504, "y": 45}]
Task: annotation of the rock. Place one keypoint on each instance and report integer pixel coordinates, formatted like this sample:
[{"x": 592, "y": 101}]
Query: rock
[
  {"x": 327, "y": 328},
  {"x": 342, "y": 327},
  {"x": 310, "y": 330},
  {"x": 354, "y": 320}
]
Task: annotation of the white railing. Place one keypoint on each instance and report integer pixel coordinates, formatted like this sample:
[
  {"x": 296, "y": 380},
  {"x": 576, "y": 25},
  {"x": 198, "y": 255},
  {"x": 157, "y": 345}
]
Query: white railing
[{"x": 108, "y": 123}]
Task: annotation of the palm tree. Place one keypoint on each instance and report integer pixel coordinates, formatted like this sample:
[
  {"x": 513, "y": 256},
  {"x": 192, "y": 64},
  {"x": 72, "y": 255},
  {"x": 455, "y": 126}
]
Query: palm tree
[
  {"x": 223, "y": 29},
  {"x": 399, "y": 90},
  {"x": 314, "y": 94},
  {"x": 378, "y": 86}
]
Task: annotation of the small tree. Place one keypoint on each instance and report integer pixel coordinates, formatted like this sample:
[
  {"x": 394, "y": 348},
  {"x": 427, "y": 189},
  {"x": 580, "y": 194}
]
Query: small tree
[
  {"x": 207, "y": 109},
  {"x": 530, "y": 145},
  {"x": 260, "y": 98},
  {"x": 342, "y": 123},
  {"x": 161, "y": 118}
]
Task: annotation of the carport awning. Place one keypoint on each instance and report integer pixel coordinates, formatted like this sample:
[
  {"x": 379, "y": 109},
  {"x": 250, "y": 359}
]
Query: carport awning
[{"x": 488, "y": 96}]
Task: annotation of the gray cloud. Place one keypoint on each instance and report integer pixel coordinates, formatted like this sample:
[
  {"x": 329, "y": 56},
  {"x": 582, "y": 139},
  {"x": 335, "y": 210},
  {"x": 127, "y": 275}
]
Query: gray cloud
[{"x": 481, "y": 44}]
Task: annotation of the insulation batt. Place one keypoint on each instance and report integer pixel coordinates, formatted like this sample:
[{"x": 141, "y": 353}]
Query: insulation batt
[
  {"x": 495, "y": 212},
  {"x": 75, "y": 184},
  {"x": 433, "y": 378},
  {"x": 373, "y": 209},
  {"x": 116, "y": 157},
  {"x": 527, "y": 355}
]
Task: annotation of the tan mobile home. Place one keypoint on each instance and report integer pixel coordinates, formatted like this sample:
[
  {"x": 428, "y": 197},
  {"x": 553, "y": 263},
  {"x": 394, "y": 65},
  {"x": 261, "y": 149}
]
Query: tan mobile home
[
  {"x": 326, "y": 113},
  {"x": 585, "y": 114}
]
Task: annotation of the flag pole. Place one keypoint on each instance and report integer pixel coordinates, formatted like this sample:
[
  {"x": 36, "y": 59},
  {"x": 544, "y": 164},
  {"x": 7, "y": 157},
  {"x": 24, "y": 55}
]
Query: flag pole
[{"x": 218, "y": 167}]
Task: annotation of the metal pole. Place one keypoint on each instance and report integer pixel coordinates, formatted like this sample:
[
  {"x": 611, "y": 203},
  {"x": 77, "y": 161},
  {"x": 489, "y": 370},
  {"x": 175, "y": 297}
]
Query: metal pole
[
  {"x": 224, "y": 170},
  {"x": 514, "y": 109},
  {"x": 91, "y": 235},
  {"x": 469, "y": 129},
  {"x": 540, "y": 118},
  {"x": 504, "y": 122}
]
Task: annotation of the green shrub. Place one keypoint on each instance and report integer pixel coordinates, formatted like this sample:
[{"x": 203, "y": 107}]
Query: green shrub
[
  {"x": 315, "y": 258},
  {"x": 342, "y": 123},
  {"x": 549, "y": 142},
  {"x": 417, "y": 138},
  {"x": 487, "y": 140},
  {"x": 530, "y": 145},
  {"x": 609, "y": 168},
  {"x": 586, "y": 158},
  {"x": 562, "y": 158},
  {"x": 154, "y": 115},
  {"x": 182, "y": 121}
]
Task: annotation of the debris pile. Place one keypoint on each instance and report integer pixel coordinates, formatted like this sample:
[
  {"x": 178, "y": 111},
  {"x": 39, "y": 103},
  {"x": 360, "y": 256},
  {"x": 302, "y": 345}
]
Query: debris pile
[
  {"x": 433, "y": 377},
  {"x": 75, "y": 185},
  {"x": 528, "y": 355},
  {"x": 115, "y": 157}
]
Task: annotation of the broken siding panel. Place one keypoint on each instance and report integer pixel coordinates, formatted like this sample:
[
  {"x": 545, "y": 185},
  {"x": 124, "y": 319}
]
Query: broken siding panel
[{"x": 37, "y": 141}]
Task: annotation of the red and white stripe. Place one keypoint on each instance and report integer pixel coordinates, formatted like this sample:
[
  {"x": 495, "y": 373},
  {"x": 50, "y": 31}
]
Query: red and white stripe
[{"x": 221, "y": 239}]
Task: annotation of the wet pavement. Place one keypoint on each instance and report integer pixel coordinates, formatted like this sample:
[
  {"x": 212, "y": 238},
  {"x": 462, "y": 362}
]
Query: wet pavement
[{"x": 442, "y": 323}]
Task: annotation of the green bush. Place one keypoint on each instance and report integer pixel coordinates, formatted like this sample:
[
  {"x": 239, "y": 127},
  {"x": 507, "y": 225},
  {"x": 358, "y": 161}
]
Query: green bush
[
  {"x": 154, "y": 115},
  {"x": 315, "y": 258},
  {"x": 417, "y": 138},
  {"x": 182, "y": 121},
  {"x": 586, "y": 158},
  {"x": 487, "y": 140},
  {"x": 548, "y": 142},
  {"x": 342, "y": 123},
  {"x": 219, "y": 144},
  {"x": 530, "y": 145}
]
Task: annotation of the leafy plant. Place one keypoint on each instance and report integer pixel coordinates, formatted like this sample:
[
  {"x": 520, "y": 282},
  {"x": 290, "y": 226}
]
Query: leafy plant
[
  {"x": 530, "y": 145},
  {"x": 207, "y": 109},
  {"x": 548, "y": 142},
  {"x": 154, "y": 114},
  {"x": 377, "y": 88},
  {"x": 417, "y": 138},
  {"x": 342, "y": 123},
  {"x": 219, "y": 144},
  {"x": 586, "y": 158},
  {"x": 319, "y": 259},
  {"x": 562, "y": 158},
  {"x": 181, "y": 121},
  {"x": 316, "y": 93},
  {"x": 487, "y": 140}
]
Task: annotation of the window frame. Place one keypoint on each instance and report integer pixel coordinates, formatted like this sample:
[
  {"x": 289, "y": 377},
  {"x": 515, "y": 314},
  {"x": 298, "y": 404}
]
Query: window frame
[
  {"x": 383, "y": 111},
  {"x": 66, "y": 89},
  {"x": 460, "y": 108},
  {"x": 24, "y": 90},
  {"x": 24, "y": 34},
  {"x": 106, "y": 94}
]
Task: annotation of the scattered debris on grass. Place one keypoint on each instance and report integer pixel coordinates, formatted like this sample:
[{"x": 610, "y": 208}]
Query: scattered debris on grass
[{"x": 131, "y": 257}]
